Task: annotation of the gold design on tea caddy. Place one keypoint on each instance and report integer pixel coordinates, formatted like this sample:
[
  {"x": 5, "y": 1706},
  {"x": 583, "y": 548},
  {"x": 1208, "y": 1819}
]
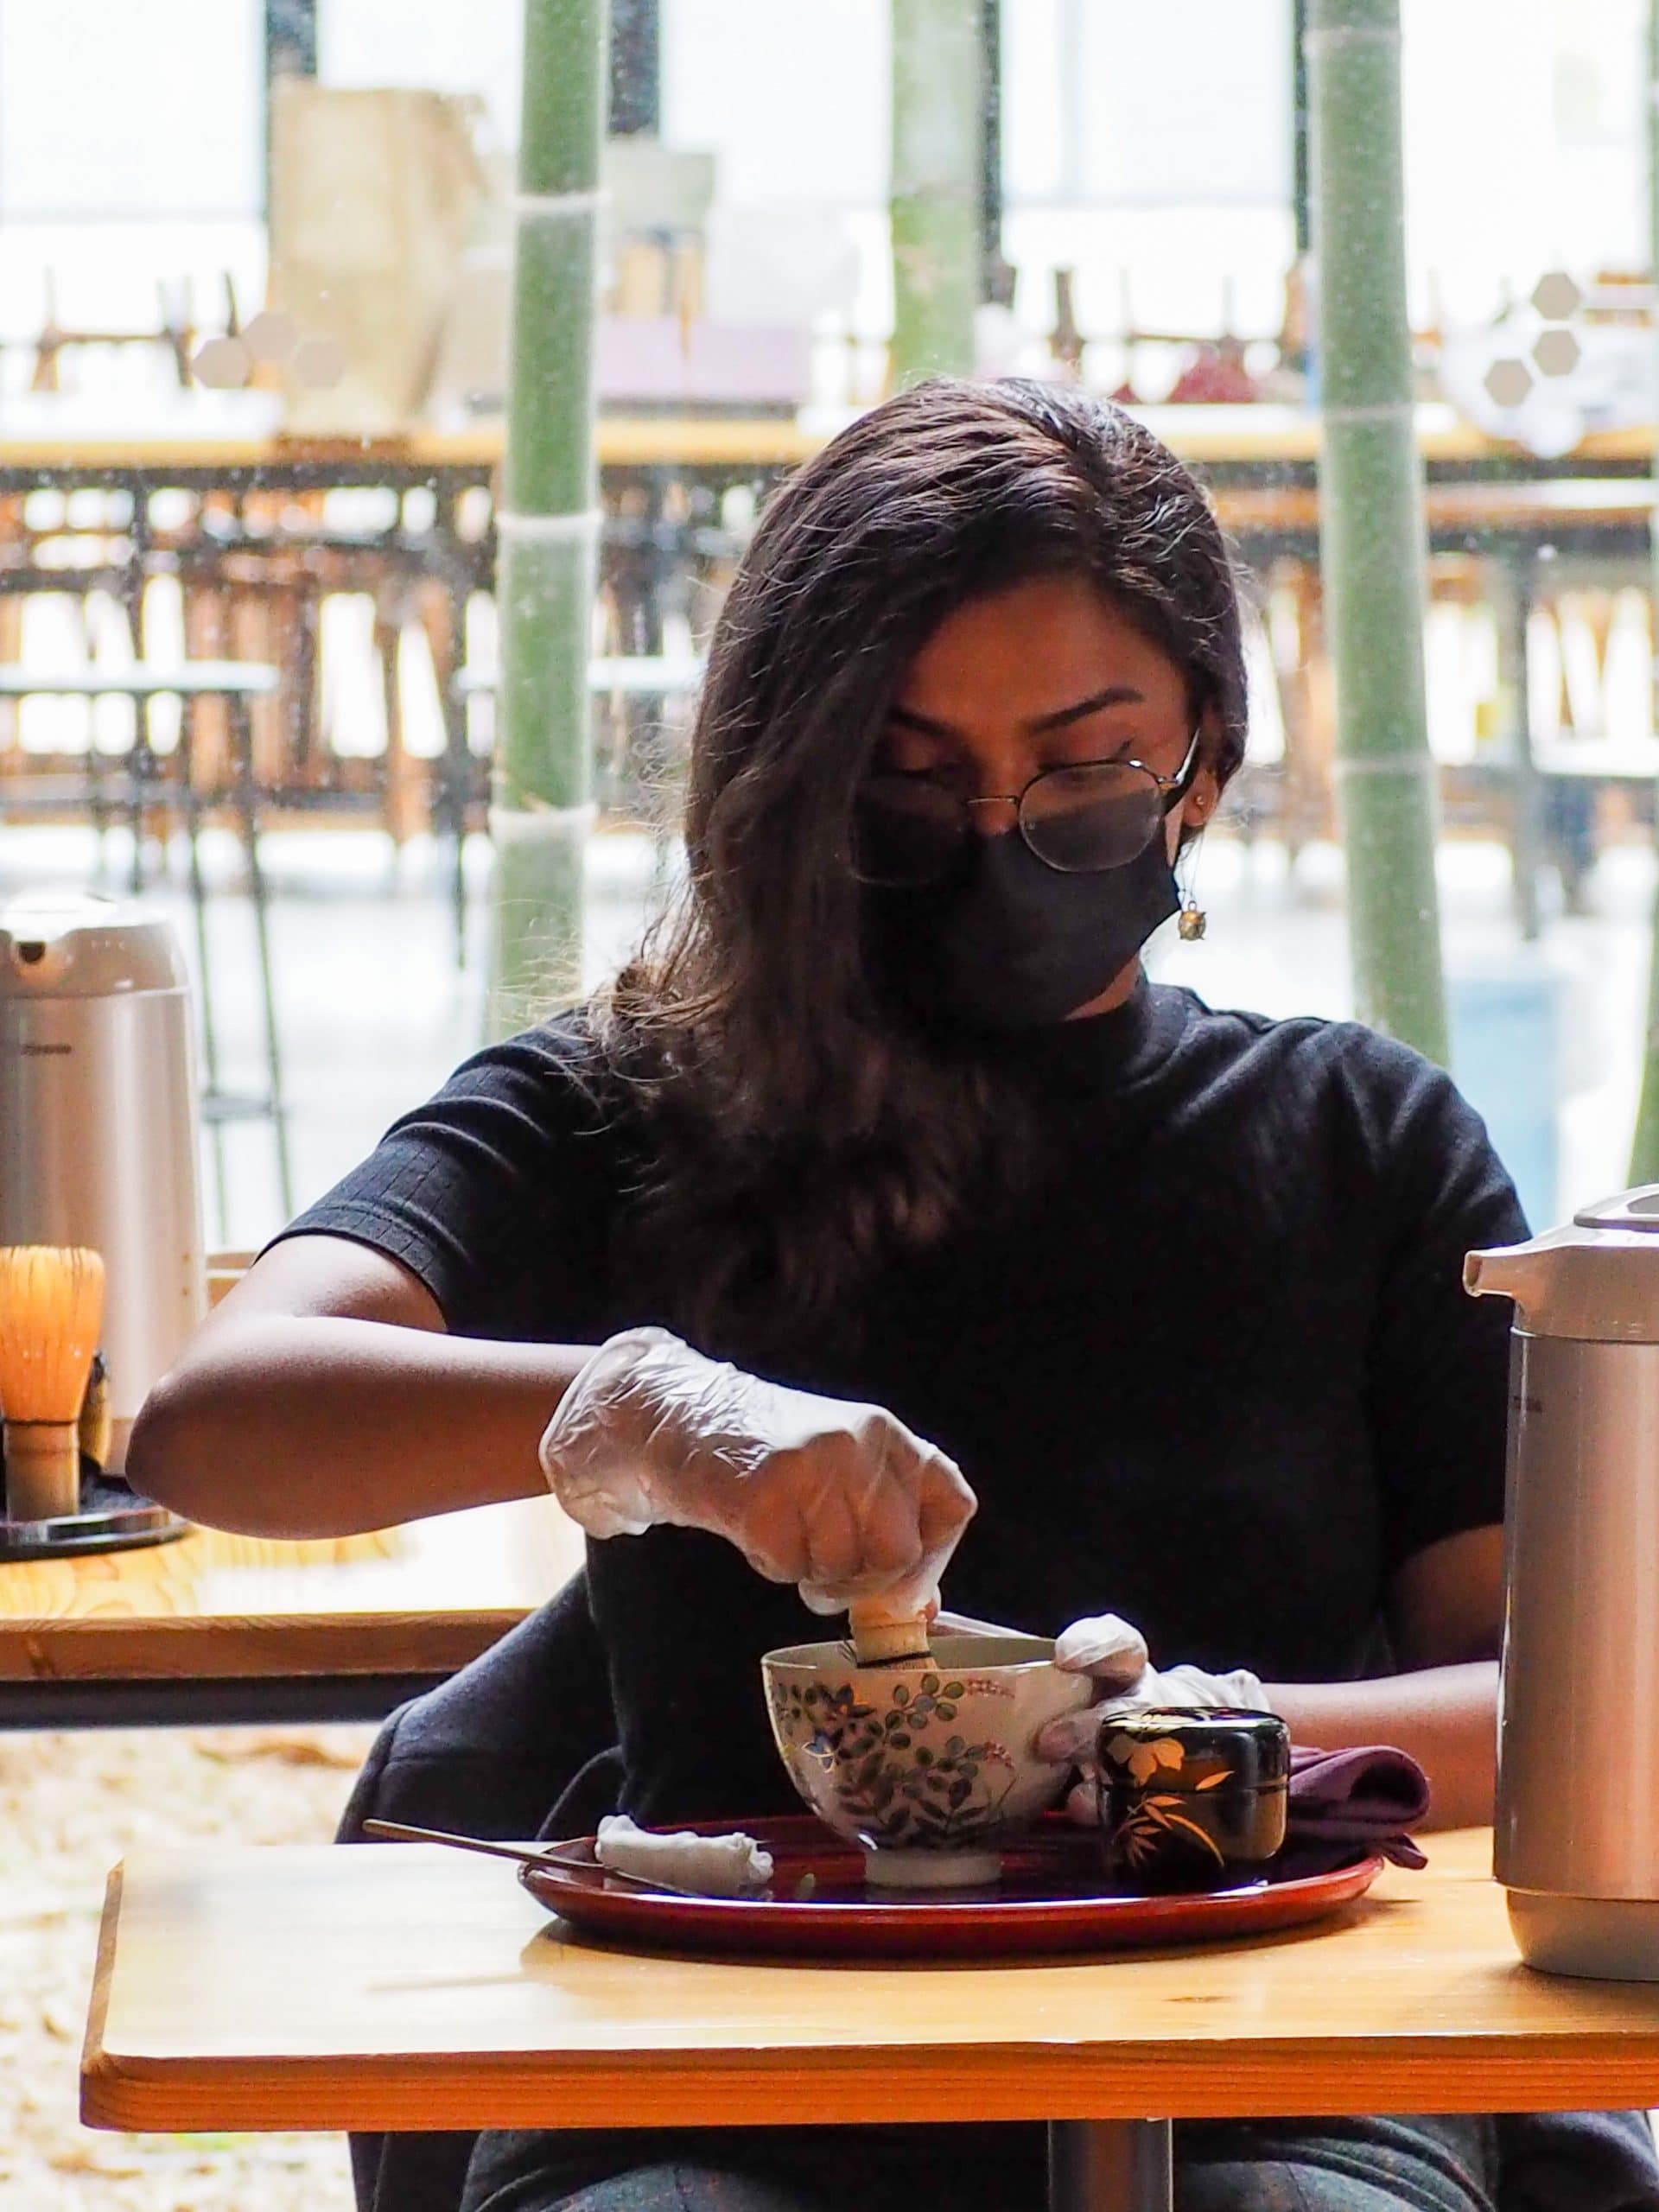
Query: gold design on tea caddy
[{"x": 1140, "y": 1835}]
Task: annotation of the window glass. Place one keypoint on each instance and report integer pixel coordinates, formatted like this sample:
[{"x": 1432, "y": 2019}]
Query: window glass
[
  {"x": 165, "y": 122},
  {"x": 254, "y": 357}
]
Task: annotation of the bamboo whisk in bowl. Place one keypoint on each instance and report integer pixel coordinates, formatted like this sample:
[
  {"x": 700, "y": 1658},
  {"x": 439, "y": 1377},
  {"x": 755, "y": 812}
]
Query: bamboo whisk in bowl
[{"x": 51, "y": 1314}]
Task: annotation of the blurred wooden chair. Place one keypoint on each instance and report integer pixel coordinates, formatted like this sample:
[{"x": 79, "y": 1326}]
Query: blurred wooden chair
[{"x": 260, "y": 585}]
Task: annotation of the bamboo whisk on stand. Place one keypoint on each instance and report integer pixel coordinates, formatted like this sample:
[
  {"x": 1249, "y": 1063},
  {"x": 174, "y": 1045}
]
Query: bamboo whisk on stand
[{"x": 51, "y": 1313}]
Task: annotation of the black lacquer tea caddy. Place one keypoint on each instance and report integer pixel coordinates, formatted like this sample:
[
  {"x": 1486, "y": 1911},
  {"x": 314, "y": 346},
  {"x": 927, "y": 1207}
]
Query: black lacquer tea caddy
[{"x": 1190, "y": 1799}]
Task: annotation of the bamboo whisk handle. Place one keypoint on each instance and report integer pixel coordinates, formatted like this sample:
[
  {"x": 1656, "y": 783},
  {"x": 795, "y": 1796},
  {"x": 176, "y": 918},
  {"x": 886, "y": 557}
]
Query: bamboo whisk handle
[
  {"x": 884, "y": 1638},
  {"x": 42, "y": 1469}
]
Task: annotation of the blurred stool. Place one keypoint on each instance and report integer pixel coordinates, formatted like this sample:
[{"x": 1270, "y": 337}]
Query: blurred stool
[{"x": 257, "y": 576}]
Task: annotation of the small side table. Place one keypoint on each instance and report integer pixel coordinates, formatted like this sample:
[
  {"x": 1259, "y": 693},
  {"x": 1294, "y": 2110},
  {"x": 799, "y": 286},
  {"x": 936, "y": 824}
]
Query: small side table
[{"x": 404, "y": 1987}]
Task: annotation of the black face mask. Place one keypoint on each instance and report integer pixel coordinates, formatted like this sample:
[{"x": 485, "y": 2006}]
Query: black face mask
[{"x": 1011, "y": 944}]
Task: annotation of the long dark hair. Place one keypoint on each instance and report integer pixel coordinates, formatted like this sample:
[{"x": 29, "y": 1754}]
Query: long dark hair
[{"x": 799, "y": 1129}]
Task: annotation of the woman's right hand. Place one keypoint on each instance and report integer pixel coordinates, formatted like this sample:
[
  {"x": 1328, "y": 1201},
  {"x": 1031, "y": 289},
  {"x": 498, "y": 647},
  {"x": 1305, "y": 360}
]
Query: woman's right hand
[{"x": 837, "y": 1496}]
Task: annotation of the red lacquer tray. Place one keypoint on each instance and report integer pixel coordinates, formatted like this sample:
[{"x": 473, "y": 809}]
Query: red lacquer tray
[{"x": 1050, "y": 1900}]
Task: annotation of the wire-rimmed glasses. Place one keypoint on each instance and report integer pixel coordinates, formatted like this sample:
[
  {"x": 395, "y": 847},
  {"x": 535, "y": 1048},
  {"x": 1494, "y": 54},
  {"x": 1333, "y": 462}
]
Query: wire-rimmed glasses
[{"x": 1080, "y": 819}]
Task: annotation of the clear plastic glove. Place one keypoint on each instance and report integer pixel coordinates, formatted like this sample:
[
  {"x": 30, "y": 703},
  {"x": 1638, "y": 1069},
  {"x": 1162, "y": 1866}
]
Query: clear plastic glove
[
  {"x": 1114, "y": 1654},
  {"x": 837, "y": 1496}
]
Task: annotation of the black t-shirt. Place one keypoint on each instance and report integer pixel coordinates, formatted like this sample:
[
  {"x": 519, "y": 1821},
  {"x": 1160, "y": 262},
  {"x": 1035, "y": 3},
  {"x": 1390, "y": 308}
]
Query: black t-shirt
[{"x": 1217, "y": 1372}]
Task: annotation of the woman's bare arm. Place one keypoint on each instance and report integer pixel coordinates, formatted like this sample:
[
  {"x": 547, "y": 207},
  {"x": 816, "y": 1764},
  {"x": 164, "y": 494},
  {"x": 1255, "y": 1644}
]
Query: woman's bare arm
[
  {"x": 1446, "y": 1717},
  {"x": 1445, "y": 1616},
  {"x": 324, "y": 1396}
]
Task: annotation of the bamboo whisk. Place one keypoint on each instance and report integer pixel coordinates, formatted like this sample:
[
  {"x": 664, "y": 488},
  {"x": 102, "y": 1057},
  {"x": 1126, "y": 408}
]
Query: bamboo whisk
[{"x": 51, "y": 1313}]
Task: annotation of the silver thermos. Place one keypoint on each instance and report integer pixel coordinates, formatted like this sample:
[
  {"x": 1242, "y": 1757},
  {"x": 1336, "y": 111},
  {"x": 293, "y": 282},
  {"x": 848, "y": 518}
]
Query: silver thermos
[
  {"x": 99, "y": 1122},
  {"x": 1577, "y": 1792}
]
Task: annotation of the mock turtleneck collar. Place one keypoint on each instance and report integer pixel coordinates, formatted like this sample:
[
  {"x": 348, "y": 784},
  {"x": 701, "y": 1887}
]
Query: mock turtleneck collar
[{"x": 1115, "y": 1054}]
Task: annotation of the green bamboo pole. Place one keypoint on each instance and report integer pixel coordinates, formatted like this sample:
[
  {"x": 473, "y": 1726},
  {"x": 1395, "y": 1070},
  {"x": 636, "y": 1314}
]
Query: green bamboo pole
[
  {"x": 1645, "y": 1149},
  {"x": 548, "y": 523},
  {"x": 937, "y": 119},
  {"x": 1371, "y": 520}
]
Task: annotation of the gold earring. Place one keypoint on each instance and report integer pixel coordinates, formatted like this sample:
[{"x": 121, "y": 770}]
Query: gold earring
[{"x": 1193, "y": 920}]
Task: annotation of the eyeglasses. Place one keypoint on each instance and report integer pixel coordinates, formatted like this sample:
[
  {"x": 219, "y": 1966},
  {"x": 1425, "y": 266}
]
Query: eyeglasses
[{"x": 1079, "y": 819}]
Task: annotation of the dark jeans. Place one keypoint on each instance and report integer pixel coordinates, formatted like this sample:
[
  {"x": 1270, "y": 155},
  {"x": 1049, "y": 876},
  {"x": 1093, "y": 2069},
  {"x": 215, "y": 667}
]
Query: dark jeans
[{"x": 1419, "y": 2164}]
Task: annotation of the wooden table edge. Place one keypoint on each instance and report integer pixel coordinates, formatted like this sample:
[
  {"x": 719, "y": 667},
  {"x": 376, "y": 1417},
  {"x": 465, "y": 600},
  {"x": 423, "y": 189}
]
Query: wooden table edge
[
  {"x": 98, "y": 2004},
  {"x": 44, "y": 1648},
  {"x": 1095, "y": 2067},
  {"x": 1423, "y": 2073}
]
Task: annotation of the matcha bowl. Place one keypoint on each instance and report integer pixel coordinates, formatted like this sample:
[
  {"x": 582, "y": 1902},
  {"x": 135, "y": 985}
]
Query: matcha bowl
[{"x": 926, "y": 1767}]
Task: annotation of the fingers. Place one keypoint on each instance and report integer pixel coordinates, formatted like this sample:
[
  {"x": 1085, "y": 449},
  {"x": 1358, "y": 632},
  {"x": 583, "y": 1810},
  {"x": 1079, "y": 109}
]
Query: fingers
[
  {"x": 1110, "y": 1649},
  {"x": 604, "y": 1503},
  {"x": 886, "y": 1514},
  {"x": 601, "y": 1516},
  {"x": 894, "y": 1524},
  {"x": 944, "y": 1506},
  {"x": 1083, "y": 1805},
  {"x": 818, "y": 1599},
  {"x": 1069, "y": 1741},
  {"x": 839, "y": 1497},
  {"x": 841, "y": 1597},
  {"x": 1072, "y": 1738},
  {"x": 945, "y": 1502},
  {"x": 836, "y": 1537},
  {"x": 1135, "y": 1700}
]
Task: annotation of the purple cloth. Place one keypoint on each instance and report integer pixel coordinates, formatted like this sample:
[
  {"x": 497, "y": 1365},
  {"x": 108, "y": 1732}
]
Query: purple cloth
[{"x": 1344, "y": 1803}]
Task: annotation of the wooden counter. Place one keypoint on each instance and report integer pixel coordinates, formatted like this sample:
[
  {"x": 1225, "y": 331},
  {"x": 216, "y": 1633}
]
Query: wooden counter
[
  {"x": 1209, "y": 437},
  {"x": 417, "y": 1601}
]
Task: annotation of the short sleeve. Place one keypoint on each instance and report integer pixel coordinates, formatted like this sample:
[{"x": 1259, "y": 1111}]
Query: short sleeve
[
  {"x": 499, "y": 1193},
  {"x": 1438, "y": 1385}
]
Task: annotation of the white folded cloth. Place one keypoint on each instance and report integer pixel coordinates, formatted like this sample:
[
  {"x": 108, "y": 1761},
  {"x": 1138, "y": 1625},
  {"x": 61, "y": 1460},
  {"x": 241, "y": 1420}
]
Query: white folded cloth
[{"x": 712, "y": 1866}]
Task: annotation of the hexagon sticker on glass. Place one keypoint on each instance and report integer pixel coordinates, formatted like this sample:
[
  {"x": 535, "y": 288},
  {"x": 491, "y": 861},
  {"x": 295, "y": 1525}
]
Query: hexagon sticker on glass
[
  {"x": 271, "y": 336},
  {"x": 1509, "y": 382},
  {"x": 222, "y": 363},
  {"x": 1557, "y": 353},
  {"x": 318, "y": 363},
  {"x": 1555, "y": 297}
]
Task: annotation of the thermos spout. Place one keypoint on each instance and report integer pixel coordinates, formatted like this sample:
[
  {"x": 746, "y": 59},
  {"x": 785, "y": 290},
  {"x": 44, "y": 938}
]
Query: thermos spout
[
  {"x": 1514, "y": 1271},
  {"x": 1594, "y": 1279}
]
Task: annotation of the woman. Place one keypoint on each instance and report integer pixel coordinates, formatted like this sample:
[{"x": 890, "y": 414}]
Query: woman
[{"x": 889, "y": 1120}]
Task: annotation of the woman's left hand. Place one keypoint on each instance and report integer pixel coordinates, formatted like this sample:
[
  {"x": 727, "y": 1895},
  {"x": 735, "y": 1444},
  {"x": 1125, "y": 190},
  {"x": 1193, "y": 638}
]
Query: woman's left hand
[{"x": 1114, "y": 1654}]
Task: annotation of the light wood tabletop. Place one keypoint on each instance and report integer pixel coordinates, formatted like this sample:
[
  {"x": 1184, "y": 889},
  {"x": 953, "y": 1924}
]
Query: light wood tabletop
[
  {"x": 404, "y": 1986},
  {"x": 420, "y": 1599}
]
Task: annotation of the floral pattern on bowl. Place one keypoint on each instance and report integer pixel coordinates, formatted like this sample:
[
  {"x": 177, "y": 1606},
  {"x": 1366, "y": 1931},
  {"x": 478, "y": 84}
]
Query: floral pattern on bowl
[{"x": 937, "y": 1758}]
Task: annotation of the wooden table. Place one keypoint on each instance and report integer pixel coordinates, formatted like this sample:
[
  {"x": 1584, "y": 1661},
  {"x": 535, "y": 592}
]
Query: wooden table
[
  {"x": 219, "y": 1627},
  {"x": 406, "y": 1987}
]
